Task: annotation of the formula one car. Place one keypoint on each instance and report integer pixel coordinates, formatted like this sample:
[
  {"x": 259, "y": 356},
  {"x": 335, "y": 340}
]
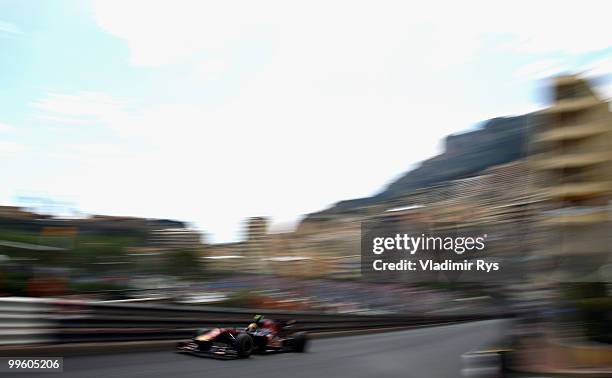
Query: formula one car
[{"x": 232, "y": 342}]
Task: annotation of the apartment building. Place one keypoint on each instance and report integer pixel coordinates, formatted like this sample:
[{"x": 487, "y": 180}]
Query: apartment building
[{"x": 571, "y": 154}]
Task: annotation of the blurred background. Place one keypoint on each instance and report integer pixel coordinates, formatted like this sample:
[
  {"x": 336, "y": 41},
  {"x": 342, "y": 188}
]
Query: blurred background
[{"x": 172, "y": 166}]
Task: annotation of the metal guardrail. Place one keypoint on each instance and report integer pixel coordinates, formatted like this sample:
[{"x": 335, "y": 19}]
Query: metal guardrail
[
  {"x": 41, "y": 321},
  {"x": 483, "y": 364},
  {"x": 489, "y": 361}
]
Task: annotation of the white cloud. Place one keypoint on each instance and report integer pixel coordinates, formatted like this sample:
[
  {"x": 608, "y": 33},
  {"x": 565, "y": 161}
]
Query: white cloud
[
  {"x": 10, "y": 28},
  {"x": 5, "y": 128},
  {"x": 210, "y": 70},
  {"x": 9, "y": 149},
  {"x": 160, "y": 32},
  {"x": 550, "y": 27},
  {"x": 540, "y": 69},
  {"x": 80, "y": 106},
  {"x": 170, "y": 33}
]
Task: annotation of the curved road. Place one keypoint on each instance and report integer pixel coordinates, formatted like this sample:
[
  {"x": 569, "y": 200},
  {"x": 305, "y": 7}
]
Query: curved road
[{"x": 420, "y": 353}]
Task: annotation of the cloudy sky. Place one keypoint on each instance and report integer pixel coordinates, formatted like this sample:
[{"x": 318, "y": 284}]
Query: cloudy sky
[{"x": 212, "y": 111}]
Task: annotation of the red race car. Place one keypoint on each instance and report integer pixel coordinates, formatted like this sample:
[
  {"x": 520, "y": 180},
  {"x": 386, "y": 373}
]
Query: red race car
[{"x": 258, "y": 337}]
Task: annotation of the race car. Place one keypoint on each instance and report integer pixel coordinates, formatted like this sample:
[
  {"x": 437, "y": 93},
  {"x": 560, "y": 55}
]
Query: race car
[{"x": 274, "y": 336}]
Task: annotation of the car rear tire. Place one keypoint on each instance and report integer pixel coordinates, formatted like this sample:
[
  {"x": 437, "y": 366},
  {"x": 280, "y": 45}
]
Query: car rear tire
[
  {"x": 300, "y": 342},
  {"x": 243, "y": 345}
]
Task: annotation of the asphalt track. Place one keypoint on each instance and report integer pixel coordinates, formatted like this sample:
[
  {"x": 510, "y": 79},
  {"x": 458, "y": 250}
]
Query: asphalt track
[{"x": 419, "y": 353}]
